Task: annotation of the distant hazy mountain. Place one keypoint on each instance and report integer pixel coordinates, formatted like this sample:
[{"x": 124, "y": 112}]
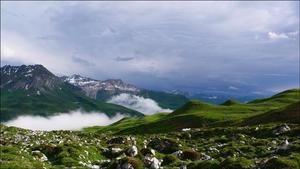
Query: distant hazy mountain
[
  {"x": 34, "y": 90},
  {"x": 105, "y": 90},
  {"x": 218, "y": 98}
]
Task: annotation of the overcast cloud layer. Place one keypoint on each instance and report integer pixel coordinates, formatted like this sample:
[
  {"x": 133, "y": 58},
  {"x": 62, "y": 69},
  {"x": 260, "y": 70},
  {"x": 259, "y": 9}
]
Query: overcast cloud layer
[
  {"x": 161, "y": 45},
  {"x": 74, "y": 120}
]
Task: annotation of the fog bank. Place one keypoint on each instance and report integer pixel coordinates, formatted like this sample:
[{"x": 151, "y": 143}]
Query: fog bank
[
  {"x": 144, "y": 105},
  {"x": 73, "y": 120}
]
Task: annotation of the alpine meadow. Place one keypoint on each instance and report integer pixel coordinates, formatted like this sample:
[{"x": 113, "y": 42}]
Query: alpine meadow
[{"x": 150, "y": 85}]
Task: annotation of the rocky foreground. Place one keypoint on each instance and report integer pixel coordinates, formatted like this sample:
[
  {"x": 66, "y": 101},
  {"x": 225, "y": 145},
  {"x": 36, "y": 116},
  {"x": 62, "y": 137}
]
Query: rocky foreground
[{"x": 266, "y": 146}]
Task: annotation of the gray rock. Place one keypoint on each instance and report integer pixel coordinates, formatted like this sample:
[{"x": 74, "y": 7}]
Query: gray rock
[
  {"x": 116, "y": 150},
  {"x": 178, "y": 154},
  {"x": 284, "y": 145},
  {"x": 205, "y": 156},
  {"x": 282, "y": 129},
  {"x": 132, "y": 151},
  {"x": 152, "y": 162}
]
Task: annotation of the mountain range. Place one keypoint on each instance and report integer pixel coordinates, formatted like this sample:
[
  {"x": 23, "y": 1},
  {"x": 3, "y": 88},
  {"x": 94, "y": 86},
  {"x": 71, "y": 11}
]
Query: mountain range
[
  {"x": 105, "y": 90},
  {"x": 34, "y": 90}
]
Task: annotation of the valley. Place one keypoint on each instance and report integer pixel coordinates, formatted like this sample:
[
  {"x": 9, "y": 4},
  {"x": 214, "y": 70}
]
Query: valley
[{"x": 260, "y": 134}]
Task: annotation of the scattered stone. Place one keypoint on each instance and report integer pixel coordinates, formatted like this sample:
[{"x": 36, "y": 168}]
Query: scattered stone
[
  {"x": 125, "y": 165},
  {"x": 40, "y": 155},
  {"x": 178, "y": 154},
  {"x": 116, "y": 150},
  {"x": 183, "y": 166},
  {"x": 213, "y": 149},
  {"x": 284, "y": 145},
  {"x": 186, "y": 129},
  {"x": 204, "y": 156},
  {"x": 282, "y": 129},
  {"x": 132, "y": 151},
  {"x": 152, "y": 162}
]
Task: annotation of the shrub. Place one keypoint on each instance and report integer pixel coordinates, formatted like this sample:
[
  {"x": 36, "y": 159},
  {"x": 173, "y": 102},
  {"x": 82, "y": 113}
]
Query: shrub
[
  {"x": 145, "y": 151},
  {"x": 169, "y": 159},
  {"x": 237, "y": 163},
  {"x": 281, "y": 163},
  {"x": 190, "y": 155},
  {"x": 69, "y": 162},
  {"x": 166, "y": 146}
]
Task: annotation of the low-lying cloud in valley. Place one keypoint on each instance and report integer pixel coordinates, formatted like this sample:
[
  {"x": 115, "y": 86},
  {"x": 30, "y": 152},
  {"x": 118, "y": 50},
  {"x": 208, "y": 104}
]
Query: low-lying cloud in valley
[
  {"x": 144, "y": 105},
  {"x": 74, "y": 120}
]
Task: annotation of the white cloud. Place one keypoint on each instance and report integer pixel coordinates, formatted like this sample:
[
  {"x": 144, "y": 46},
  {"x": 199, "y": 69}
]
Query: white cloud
[
  {"x": 141, "y": 104},
  {"x": 275, "y": 36},
  {"x": 295, "y": 33},
  {"x": 74, "y": 120},
  {"x": 233, "y": 88}
]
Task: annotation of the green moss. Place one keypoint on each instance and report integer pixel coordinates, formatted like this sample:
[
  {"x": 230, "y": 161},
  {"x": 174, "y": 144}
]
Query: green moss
[
  {"x": 210, "y": 164},
  {"x": 237, "y": 163},
  {"x": 169, "y": 159},
  {"x": 281, "y": 163}
]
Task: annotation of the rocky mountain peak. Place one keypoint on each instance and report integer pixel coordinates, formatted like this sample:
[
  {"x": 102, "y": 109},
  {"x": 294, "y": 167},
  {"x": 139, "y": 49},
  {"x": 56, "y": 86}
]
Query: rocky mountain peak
[
  {"x": 92, "y": 86},
  {"x": 27, "y": 77}
]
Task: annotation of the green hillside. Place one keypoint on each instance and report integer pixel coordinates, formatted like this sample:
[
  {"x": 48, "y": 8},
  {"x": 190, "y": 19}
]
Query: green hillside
[
  {"x": 164, "y": 100},
  {"x": 195, "y": 114},
  {"x": 288, "y": 114},
  {"x": 47, "y": 102}
]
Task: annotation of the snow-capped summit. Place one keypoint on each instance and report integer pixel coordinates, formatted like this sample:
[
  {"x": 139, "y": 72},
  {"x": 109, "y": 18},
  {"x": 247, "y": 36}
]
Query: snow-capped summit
[
  {"x": 92, "y": 86},
  {"x": 79, "y": 81}
]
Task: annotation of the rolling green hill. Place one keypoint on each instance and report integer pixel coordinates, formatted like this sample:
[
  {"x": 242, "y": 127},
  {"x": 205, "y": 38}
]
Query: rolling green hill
[
  {"x": 288, "y": 114},
  {"x": 195, "y": 114}
]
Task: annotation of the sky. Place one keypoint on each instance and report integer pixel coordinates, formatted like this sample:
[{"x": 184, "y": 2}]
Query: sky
[{"x": 250, "y": 47}]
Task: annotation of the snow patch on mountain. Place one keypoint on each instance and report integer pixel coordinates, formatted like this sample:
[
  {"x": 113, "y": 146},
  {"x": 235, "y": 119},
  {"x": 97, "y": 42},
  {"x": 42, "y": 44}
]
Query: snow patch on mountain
[
  {"x": 144, "y": 105},
  {"x": 91, "y": 86}
]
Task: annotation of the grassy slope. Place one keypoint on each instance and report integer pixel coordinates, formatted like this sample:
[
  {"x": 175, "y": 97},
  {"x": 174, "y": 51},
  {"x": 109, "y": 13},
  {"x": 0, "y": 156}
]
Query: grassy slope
[
  {"x": 164, "y": 100},
  {"x": 66, "y": 98},
  {"x": 199, "y": 114},
  {"x": 288, "y": 114}
]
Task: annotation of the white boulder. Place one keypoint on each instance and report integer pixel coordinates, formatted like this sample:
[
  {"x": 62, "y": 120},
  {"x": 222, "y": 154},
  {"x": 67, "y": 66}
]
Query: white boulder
[
  {"x": 132, "y": 151},
  {"x": 152, "y": 162}
]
